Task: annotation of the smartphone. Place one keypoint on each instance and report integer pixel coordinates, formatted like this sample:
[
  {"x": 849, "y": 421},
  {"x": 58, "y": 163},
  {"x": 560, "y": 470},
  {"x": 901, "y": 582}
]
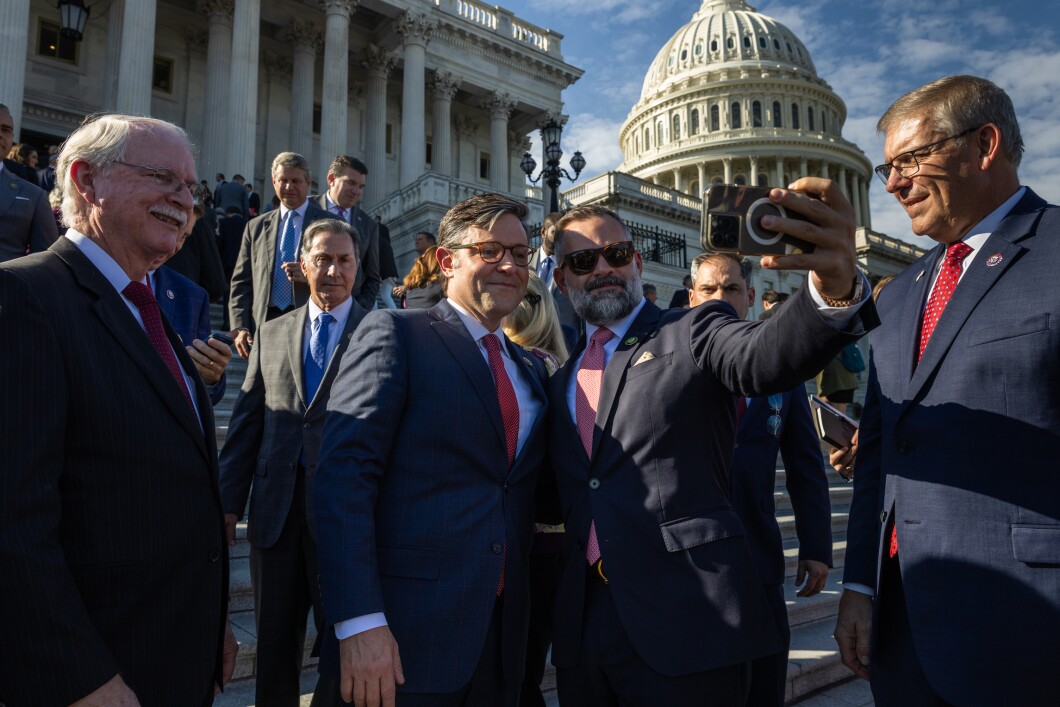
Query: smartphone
[
  {"x": 833, "y": 427},
  {"x": 223, "y": 338},
  {"x": 732, "y": 222}
]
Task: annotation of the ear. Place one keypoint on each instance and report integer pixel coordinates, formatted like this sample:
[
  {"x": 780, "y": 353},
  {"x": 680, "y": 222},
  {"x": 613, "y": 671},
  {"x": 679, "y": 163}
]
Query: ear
[
  {"x": 750, "y": 297},
  {"x": 444, "y": 256},
  {"x": 331, "y": 179},
  {"x": 639, "y": 261},
  {"x": 989, "y": 145},
  {"x": 83, "y": 177},
  {"x": 560, "y": 276},
  {"x": 303, "y": 266}
]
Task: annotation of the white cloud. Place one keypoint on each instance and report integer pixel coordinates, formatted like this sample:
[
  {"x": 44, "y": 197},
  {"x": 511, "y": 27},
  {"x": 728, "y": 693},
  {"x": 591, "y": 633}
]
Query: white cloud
[{"x": 595, "y": 137}]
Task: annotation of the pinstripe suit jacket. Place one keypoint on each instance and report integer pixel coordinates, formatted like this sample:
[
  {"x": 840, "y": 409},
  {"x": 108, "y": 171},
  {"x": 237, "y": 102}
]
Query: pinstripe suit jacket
[
  {"x": 26, "y": 219},
  {"x": 415, "y": 499},
  {"x": 272, "y": 422},
  {"x": 251, "y": 290},
  {"x": 112, "y": 548}
]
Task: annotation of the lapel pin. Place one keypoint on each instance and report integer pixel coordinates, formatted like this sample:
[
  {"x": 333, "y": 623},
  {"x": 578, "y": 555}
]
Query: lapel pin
[
  {"x": 169, "y": 294},
  {"x": 993, "y": 260},
  {"x": 630, "y": 340},
  {"x": 13, "y": 185},
  {"x": 920, "y": 275},
  {"x": 526, "y": 360}
]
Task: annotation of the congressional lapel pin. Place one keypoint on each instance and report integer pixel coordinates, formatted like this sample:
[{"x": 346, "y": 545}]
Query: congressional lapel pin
[
  {"x": 920, "y": 275},
  {"x": 13, "y": 185},
  {"x": 993, "y": 260},
  {"x": 170, "y": 295},
  {"x": 630, "y": 340},
  {"x": 527, "y": 361},
  {"x": 646, "y": 356}
]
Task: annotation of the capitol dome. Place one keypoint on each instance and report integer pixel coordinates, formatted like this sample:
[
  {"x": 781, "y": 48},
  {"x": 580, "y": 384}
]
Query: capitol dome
[{"x": 733, "y": 97}]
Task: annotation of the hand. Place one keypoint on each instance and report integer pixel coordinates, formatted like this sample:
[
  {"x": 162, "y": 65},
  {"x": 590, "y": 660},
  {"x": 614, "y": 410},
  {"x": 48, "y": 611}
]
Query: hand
[
  {"x": 371, "y": 668},
  {"x": 832, "y": 263},
  {"x": 814, "y": 573},
  {"x": 228, "y": 658},
  {"x": 113, "y": 693},
  {"x": 244, "y": 340},
  {"x": 842, "y": 460},
  {"x": 210, "y": 357},
  {"x": 853, "y": 628},
  {"x": 294, "y": 272},
  {"x": 230, "y": 528},
  {"x": 398, "y": 291}
]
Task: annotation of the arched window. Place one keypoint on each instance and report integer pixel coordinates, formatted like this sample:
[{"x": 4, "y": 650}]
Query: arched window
[
  {"x": 735, "y": 123},
  {"x": 762, "y": 42},
  {"x": 740, "y": 180},
  {"x": 795, "y": 116},
  {"x": 730, "y": 43},
  {"x": 684, "y": 54},
  {"x": 824, "y": 121},
  {"x": 746, "y": 41},
  {"x": 809, "y": 117},
  {"x": 676, "y": 133},
  {"x": 763, "y": 180},
  {"x": 636, "y": 143},
  {"x": 647, "y": 138},
  {"x": 778, "y": 119},
  {"x": 756, "y": 114},
  {"x": 714, "y": 45},
  {"x": 715, "y": 121},
  {"x": 659, "y": 134},
  {"x": 693, "y": 129}
]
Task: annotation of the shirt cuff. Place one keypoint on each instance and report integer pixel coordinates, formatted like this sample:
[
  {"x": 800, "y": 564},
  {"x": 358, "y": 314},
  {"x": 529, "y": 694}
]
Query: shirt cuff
[
  {"x": 839, "y": 317},
  {"x": 351, "y": 627},
  {"x": 859, "y": 588}
]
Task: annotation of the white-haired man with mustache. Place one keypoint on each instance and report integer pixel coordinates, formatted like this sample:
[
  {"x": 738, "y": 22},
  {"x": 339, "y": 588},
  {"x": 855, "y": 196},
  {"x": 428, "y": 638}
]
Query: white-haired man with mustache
[{"x": 113, "y": 556}]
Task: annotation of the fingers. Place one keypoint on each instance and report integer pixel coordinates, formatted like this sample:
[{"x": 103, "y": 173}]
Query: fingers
[
  {"x": 853, "y": 630},
  {"x": 815, "y": 574},
  {"x": 243, "y": 342}
]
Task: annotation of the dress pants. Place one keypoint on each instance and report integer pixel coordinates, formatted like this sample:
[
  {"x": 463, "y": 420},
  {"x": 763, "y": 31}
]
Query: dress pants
[
  {"x": 896, "y": 675},
  {"x": 544, "y": 575},
  {"x": 286, "y": 586},
  {"x": 611, "y": 674},
  {"x": 769, "y": 674}
]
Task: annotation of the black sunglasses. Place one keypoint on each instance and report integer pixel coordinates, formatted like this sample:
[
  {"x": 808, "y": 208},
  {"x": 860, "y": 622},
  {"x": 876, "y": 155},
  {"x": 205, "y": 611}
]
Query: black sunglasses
[{"x": 582, "y": 262}]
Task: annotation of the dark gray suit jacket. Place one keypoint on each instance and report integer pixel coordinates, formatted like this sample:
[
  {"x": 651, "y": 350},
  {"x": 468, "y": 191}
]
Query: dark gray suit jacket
[
  {"x": 962, "y": 448},
  {"x": 366, "y": 287},
  {"x": 665, "y": 424},
  {"x": 113, "y": 556},
  {"x": 252, "y": 279},
  {"x": 273, "y": 421},
  {"x": 416, "y": 504},
  {"x": 233, "y": 194},
  {"x": 26, "y": 219}
]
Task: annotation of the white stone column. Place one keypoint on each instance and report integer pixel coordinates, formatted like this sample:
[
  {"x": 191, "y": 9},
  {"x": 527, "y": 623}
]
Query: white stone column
[
  {"x": 855, "y": 198},
  {"x": 780, "y": 172},
  {"x": 243, "y": 87},
  {"x": 334, "y": 107},
  {"x": 843, "y": 182},
  {"x": 701, "y": 172},
  {"x": 443, "y": 88},
  {"x": 415, "y": 30},
  {"x": 378, "y": 63},
  {"x": 727, "y": 164},
  {"x": 866, "y": 218},
  {"x": 499, "y": 105},
  {"x": 215, "y": 104},
  {"x": 137, "y": 58},
  {"x": 804, "y": 170},
  {"x": 824, "y": 170},
  {"x": 754, "y": 170},
  {"x": 14, "y": 40},
  {"x": 113, "y": 60},
  {"x": 678, "y": 184},
  {"x": 305, "y": 38}
]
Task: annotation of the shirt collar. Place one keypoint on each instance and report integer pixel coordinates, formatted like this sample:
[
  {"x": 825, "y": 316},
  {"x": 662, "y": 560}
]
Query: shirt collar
[
  {"x": 341, "y": 312},
  {"x": 978, "y": 233},
  {"x": 476, "y": 328},
  {"x": 618, "y": 328},
  {"x": 101, "y": 259},
  {"x": 300, "y": 210}
]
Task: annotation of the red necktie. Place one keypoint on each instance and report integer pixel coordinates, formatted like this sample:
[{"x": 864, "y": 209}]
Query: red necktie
[
  {"x": 586, "y": 398},
  {"x": 741, "y": 409},
  {"x": 140, "y": 295},
  {"x": 509, "y": 415},
  {"x": 949, "y": 275}
]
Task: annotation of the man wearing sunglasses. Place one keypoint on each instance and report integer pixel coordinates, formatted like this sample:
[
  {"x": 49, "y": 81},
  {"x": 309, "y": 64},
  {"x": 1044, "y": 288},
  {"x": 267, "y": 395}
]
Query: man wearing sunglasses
[
  {"x": 425, "y": 483},
  {"x": 766, "y": 426},
  {"x": 955, "y": 519},
  {"x": 659, "y": 602}
]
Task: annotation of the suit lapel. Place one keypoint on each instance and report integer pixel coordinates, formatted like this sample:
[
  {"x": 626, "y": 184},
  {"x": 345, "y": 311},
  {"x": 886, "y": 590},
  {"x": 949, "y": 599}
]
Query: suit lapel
[
  {"x": 615, "y": 371},
  {"x": 560, "y": 384},
  {"x": 271, "y": 226},
  {"x": 9, "y": 189},
  {"x": 115, "y": 315},
  {"x": 295, "y": 336},
  {"x": 524, "y": 361},
  {"x": 458, "y": 340},
  {"x": 913, "y": 310}
]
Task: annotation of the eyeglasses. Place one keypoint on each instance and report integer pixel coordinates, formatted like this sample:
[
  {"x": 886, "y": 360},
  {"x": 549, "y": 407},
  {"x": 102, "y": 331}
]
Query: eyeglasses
[
  {"x": 532, "y": 299},
  {"x": 773, "y": 423},
  {"x": 492, "y": 252},
  {"x": 168, "y": 180},
  {"x": 907, "y": 164},
  {"x": 582, "y": 262}
]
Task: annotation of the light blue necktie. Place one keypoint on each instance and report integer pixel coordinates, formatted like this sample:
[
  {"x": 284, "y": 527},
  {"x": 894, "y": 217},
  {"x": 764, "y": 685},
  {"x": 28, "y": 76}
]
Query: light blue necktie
[
  {"x": 282, "y": 288},
  {"x": 544, "y": 271},
  {"x": 316, "y": 360}
]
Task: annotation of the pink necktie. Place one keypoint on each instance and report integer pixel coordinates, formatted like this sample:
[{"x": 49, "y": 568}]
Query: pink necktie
[
  {"x": 140, "y": 295},
  {"x": 586, "y": 398},
  {"x": 509, "y": 415}
]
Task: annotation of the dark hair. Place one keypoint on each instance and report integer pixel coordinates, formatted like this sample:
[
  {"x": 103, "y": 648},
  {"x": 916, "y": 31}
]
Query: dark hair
[
  {"x": 745, "y": 265},
  {"x": 481, "y": 211},
  {"x": 584, "y": 213},
  {"x": 648, "y": 287},
  {"x": 770, "y": 296},
  {"x": 343, "y": 162},
  {"x": 430, "y": 236}
]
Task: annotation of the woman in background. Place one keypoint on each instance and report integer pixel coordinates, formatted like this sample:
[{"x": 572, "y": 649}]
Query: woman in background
[
  {"x": 423, "y": 284},
  {"x": 534, "y": 325}
]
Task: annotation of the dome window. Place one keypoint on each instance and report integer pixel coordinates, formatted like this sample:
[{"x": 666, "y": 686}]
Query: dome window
[
  {"x": 795, "y": 116},
  {"x": 809, "y": 118},
  {"x": 736, "y": 121},
  {"x": 694, "y": 126},
  {"x": 763, "y": 180},
  {"x": 778, "y": 119},
  {"x": 746, "y": 42},
  {"x": 756, "y": 114},
  {"x": 730, "y": 43},
  {"x": 715, "y": 123},
  {"x": 676, "y": 134},
  {"x": 647, "y": 138},
  {"x": 684, "y": 54},
  {"x": 776, "y": 44},
  {"x": 789, "y": 47},
  {"x": 699, "y": 49},
  {"x": 762, "y": 42},
  {"x": 671, "y": 61},
  {"x": 714, "y": 45}
]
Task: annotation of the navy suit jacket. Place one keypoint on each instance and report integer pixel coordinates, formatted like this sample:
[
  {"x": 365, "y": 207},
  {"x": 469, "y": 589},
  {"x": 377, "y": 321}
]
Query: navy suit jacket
[
  {"x": 417, "y": 507},
  {"x": 187, "y": 306},
  {"x": 963, "y": 448},
  {"x": 754, "y": 471},
  {"x": 112, "y": 549},
  {"x": 681, "y": 574},
  {"x": 26, "y": 220}
]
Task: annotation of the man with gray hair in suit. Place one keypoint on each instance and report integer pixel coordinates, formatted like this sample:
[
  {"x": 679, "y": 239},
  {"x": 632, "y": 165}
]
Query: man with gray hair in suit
[{"x": 26, "y": 221}]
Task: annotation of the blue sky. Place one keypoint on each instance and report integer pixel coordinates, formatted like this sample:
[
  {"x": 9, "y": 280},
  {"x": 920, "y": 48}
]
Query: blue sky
[{"x": 869, "y": 52}]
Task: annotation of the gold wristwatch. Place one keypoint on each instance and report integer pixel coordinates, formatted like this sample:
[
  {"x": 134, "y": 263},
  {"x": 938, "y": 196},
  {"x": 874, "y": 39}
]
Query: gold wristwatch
[{"x": 859, "y": 288}]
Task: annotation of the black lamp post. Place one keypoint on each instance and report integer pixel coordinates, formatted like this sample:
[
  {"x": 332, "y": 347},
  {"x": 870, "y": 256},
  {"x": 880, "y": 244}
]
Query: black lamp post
[
  {"x": 72, "y": 18},
  {"x": 552, "y": 172}
]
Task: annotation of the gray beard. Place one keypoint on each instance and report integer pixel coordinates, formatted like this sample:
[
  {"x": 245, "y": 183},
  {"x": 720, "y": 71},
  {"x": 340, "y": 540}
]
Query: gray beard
[{"x": 603, "y": 308}]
